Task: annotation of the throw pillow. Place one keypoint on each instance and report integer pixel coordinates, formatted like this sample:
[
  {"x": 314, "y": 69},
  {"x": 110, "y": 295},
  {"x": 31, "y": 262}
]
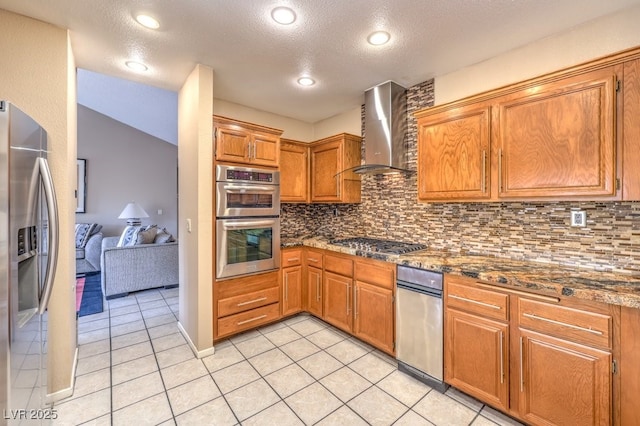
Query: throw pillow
[
  {"x": 130, "y": 233},
  {"x": 146, "y": 236},
  {"x": 163, "y": 237},
  {"x": 83, "y": 232}
]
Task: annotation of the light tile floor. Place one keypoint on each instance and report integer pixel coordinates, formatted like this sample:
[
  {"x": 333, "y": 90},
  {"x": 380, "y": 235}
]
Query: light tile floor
[{"x": 135, "y": 368}]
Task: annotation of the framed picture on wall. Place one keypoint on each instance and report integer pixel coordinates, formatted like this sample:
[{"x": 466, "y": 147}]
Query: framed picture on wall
[{"x": 81, "y": 192}]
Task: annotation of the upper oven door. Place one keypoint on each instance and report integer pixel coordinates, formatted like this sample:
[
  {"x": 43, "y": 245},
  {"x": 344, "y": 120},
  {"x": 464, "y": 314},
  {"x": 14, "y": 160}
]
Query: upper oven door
[{"x": 247, "y": 199}]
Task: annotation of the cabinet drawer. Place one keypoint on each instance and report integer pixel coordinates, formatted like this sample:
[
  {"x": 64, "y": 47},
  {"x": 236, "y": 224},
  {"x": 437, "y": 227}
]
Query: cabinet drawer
[
  {"x": 487, "y": 303},
  {"x": 314, "y": 259},
  {"x": 378, "y": 273},
  {"x": 291, "y": 257},
  {"x": 247, "y": 320},
  {"x": 339, "y": 265},
  {"x": 245, "y": 302},
  {"x": 576, "y": 325}
]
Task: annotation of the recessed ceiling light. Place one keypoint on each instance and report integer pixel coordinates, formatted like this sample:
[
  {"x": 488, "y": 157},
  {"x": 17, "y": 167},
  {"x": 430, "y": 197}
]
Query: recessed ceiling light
[
  {"x": 148, "y": 21},
  {"x": 379, "y": 37},
  {"x": 306, "y": 81},
  {"x": 136, "y": 66},
  {"x": 283, "y": 15}
]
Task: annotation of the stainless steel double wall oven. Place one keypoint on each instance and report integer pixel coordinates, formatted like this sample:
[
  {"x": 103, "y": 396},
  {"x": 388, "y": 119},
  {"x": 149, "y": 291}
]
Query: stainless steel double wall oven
[{"x": 247, "y": 220}]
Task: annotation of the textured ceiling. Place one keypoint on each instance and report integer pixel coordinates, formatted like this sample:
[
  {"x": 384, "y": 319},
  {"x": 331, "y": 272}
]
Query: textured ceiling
[{"x": 256, "y": 61}]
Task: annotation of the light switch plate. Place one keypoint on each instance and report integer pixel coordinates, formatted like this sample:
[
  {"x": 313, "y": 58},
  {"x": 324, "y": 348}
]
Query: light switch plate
[{"x": 579, "y": 218}]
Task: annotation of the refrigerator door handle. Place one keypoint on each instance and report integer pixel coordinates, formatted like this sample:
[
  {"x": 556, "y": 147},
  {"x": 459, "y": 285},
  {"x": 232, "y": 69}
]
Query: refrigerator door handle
[{"x": 53, "y": 231}]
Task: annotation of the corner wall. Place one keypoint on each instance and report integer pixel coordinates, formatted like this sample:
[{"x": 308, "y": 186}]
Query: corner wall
[
  {"x": 583, "y": 43},
  {"x": 38, "y": 76},
  {"x": 195, "y": 177},
  {"x": 124, "y": 165}
]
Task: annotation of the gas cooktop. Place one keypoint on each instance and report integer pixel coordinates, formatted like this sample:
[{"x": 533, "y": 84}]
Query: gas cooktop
[{"x": 378, "y": 245}]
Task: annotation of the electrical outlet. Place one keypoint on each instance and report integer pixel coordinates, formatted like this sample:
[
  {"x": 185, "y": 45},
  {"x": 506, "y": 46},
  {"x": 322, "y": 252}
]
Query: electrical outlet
[
  {"x": 579, "y": 218},
  {"x": 335, "y": 212}
]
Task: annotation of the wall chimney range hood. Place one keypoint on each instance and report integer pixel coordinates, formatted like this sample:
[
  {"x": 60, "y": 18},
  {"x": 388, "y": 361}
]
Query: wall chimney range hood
[{"x": 385, "y": 128}]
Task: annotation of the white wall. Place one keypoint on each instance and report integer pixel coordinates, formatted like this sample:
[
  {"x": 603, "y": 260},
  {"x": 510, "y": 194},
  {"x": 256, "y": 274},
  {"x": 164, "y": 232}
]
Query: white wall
[
  {"x": 124, "y": 165},
  {"x": 347, "y": 122},
  {"x": 595, "y": 39},
  {"x": 195, "y": 160},
  {"x": 38, "y": 75}
]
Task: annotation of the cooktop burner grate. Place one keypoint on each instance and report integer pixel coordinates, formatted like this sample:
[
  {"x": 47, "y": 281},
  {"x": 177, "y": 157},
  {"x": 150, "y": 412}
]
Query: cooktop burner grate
[{"x": 378, "y": 245}]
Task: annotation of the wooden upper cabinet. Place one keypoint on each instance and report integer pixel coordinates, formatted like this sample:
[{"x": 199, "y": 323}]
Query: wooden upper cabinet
[
  {"x": 246, "y": 143},
  {"x": 453, "y": 154},
  {"x": 558, "y": 139},
  {"x": 294, "y": 171},
  {"x": 329, "y": 158}
]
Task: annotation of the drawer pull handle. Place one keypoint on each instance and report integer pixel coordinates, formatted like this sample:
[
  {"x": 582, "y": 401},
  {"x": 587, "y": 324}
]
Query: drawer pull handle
[
  {"x": 464, "y": 299},
  {"x": 313, "y": 260},
  {"x": 248, "y": 302},
  {"x": 575, "y": 327},
  {"x": 252, "y": 320},
  {"x": 293, "y": 259}
]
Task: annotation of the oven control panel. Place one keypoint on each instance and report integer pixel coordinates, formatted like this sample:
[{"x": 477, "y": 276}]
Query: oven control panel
[{"x": 226, "y": 173}]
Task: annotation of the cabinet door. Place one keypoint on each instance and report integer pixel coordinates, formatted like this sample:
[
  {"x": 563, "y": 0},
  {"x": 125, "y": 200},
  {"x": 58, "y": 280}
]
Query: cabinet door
[
  {"x": 314, "y": 291},
  {"x": 232, "y": 145},
  {"x": 265, "y": 150},
  {"x": 291, "y": 290},
  {"x": 558, "y": 139},
  {"x": 562, "y": 383},
  {"x": 476, "y": 357},
  {"x": 336, "y": 292},
  {"x": 453, "y": 154},
  {"x": 326, "y": 162},
  {"x": 373, "y": 314},
  {"x": 294, "y": 173}
]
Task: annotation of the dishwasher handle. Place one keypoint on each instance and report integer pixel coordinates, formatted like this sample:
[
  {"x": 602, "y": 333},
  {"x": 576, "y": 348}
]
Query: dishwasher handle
[{"x": 422, "y": 289}]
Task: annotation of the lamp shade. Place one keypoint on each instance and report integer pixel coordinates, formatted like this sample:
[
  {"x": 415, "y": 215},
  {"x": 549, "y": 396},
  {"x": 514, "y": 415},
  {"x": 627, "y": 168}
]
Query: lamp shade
[{"x": 133, "y": 212}]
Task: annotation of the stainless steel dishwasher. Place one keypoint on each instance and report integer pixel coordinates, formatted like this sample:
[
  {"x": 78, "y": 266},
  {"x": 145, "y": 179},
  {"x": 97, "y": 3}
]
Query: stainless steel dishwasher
[{"x": 419, "y": 326}]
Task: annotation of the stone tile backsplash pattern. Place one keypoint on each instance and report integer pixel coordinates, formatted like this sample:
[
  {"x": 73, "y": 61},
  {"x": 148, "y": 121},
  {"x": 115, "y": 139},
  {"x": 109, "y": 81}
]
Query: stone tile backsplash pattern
[{"x": 537, "y": 231}]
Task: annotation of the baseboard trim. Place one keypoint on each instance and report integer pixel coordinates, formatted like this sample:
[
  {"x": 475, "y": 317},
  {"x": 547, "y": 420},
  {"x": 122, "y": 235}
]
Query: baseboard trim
[
  {"x": 66, "y": 392},
  {"x": 196, "y": 352}
]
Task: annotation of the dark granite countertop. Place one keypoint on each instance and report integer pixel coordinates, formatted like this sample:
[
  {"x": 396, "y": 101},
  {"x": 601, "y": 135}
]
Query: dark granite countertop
[{"x": 582, "y": 283}]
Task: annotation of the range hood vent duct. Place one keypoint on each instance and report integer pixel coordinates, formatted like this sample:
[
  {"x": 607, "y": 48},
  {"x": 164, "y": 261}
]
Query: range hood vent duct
[{"x": 385, "y": 129}]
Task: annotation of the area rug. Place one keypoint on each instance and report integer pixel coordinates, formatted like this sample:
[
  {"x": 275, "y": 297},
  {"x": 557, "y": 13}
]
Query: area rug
[{"x": 88, "y": 295}]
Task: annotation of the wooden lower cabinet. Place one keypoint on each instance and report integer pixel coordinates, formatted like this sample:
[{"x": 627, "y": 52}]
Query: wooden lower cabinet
[
  {"x": 314, "y": 291},
  {"x": 244, "y": 303},
  {"x": 291, "y": 290},
  {"x": 629, "y": 366},
  {"x": 562, "y": 383},
  {"x": 476, "y": 357},
  {"x": 374, "y": 315},
  {"x": 352, "y": 293},
  {"x": 546, "y": 360},
  {"x": 336, "y": 292}
]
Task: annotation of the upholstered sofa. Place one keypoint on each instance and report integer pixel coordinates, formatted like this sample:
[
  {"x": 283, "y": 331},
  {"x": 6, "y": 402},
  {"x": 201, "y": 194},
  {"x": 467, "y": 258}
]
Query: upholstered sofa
[
  {"x": 137, "y": 267},
  {"x": 88, "y": 248}
]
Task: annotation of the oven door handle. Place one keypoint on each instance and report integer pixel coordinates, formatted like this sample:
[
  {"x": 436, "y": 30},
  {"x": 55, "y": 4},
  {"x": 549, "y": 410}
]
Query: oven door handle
[
  {"x": 248, "y": 224},
  {"x": 235, "y": 188}
]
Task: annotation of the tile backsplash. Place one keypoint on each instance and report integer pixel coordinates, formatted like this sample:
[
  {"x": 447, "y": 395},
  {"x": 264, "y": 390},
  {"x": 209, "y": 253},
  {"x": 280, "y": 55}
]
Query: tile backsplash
[{"x": 538, "y": 231}]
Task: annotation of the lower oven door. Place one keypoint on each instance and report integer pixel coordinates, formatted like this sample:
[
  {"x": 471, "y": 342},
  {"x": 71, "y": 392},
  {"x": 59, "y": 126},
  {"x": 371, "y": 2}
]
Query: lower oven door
[{"x": 247, "y": 246}]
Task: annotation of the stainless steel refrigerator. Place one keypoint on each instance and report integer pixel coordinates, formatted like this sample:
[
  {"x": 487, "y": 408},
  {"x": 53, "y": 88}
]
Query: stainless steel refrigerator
[{"x": 28, "y": 254}]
